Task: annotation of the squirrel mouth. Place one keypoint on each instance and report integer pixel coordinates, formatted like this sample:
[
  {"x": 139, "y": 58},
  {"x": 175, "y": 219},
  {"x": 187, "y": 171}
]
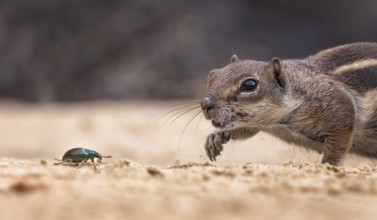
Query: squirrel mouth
[{"x": 218, "y": 124}]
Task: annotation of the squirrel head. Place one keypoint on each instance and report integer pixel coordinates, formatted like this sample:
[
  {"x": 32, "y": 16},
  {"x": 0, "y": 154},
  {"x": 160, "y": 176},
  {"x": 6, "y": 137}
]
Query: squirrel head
[{"x": 244, "y": 92}]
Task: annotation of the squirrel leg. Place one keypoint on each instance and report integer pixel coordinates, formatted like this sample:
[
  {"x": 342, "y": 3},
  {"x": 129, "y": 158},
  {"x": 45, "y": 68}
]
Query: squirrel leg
[
  {"x": 215, "y": 141},
  {"x": 336, "y": 148}
]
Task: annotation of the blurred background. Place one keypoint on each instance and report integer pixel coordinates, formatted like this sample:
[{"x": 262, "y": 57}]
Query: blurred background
[{"x": 69, "y": 50}]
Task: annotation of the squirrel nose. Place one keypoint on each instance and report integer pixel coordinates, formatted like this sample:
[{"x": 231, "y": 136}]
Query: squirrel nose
[{"x": 208, "y": 102}]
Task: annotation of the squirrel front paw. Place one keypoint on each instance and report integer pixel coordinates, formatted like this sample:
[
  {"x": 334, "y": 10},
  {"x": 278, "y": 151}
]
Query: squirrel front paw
[{"x": 214, "y": 143}]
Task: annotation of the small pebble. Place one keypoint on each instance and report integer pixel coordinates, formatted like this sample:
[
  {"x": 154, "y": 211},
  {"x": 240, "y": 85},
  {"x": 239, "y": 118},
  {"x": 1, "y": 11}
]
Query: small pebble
[{"x": 155, "y": 172}]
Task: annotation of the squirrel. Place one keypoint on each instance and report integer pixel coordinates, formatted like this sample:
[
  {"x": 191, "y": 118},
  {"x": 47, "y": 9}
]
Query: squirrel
[{"x": 326, "y": 102}]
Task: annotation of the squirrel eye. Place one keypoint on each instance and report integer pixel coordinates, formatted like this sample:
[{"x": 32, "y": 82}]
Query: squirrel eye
[{"x": 248, "y": 85}]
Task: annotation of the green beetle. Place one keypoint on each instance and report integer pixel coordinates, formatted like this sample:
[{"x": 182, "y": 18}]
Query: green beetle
[{"x": 79, "y": 156}]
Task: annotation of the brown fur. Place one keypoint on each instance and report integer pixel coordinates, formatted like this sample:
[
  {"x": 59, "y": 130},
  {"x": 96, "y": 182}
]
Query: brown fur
[{"x": 326, "y": 102}]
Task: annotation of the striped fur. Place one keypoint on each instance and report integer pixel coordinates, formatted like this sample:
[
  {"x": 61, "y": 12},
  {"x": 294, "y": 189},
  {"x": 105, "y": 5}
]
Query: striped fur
[{"x": 326, "y": 102}]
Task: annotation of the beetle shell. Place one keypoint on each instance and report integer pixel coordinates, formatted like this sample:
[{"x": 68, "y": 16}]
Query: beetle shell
[{"x": 77, "y": 155}]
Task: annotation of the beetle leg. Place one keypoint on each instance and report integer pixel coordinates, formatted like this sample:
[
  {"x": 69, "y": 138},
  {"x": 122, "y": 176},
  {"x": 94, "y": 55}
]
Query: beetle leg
[
  {"x": 78, "y": 166},
  {"x": 97, "y": 170},
  {"x": 58, "y": 163}
]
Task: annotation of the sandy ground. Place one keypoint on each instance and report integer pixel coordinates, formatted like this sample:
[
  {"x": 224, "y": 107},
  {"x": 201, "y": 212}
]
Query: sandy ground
[{"x": 159, "y": 169}]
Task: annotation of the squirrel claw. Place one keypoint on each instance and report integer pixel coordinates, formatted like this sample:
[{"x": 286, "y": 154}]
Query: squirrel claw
[{"x": 214, "y": 144}]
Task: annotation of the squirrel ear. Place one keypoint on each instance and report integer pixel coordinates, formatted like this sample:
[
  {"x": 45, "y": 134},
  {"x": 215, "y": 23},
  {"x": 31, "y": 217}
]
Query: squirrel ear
[
  {"x": 234, "y": 58},
  {"x": 275, "y": 69}
]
